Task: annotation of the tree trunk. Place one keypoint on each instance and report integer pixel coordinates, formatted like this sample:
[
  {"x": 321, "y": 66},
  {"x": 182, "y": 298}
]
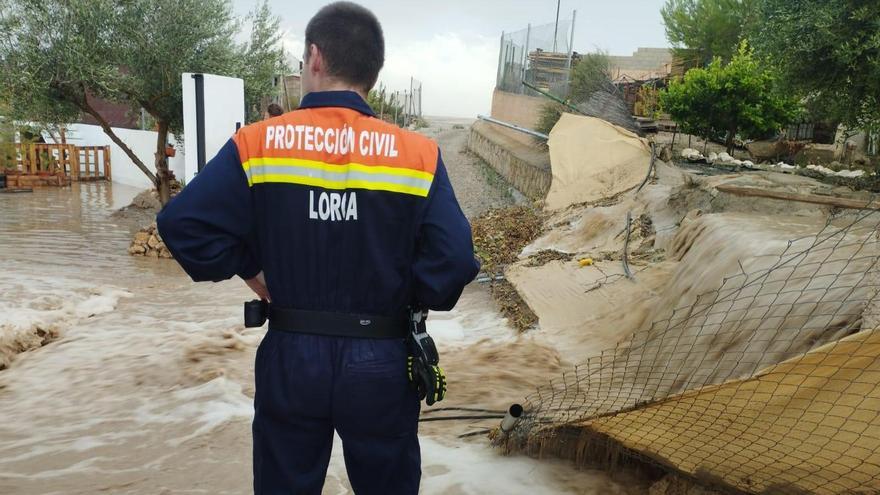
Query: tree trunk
[
  {"x": 731, "y": 134},
  {"x": 84, "y": 105},
  {"x": 163, "y": 175}
]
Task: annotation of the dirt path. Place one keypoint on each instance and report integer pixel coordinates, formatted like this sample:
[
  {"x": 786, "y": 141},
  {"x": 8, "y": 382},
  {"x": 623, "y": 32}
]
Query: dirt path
[{"x": 477, "y": 186}]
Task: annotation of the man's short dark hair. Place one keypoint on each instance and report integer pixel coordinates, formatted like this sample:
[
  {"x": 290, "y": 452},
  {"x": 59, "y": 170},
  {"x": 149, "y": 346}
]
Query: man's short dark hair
[{"x": 351, "y": 41}]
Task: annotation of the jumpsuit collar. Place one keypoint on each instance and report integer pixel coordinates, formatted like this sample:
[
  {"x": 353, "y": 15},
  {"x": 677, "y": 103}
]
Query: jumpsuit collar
[{"x": 346, "y": 99}]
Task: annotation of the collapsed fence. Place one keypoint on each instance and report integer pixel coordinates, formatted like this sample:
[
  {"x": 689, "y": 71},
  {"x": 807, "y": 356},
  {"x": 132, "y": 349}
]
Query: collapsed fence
[{"x": 768, "y": 384}]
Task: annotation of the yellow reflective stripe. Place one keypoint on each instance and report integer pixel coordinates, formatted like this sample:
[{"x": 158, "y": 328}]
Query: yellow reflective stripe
[
  {"x": 326, "y": 167},
  {"x": 337, "y": 185}
]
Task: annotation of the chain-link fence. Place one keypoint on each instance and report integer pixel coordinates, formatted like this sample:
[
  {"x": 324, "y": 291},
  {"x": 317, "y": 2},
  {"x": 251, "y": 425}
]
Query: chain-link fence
[
  {"x": 539, "y": 55},
  {"x": 405, "y": 106},
  {"x": 768, "y": 384}
]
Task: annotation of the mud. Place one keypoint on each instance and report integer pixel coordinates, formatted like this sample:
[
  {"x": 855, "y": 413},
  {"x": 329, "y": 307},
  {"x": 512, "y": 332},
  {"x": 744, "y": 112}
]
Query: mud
[{"x": 143, "y": 382}]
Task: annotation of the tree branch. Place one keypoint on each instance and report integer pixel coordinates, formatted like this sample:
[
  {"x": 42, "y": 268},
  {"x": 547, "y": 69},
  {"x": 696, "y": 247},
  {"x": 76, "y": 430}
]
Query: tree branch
[{"x": 87, "y": 108}]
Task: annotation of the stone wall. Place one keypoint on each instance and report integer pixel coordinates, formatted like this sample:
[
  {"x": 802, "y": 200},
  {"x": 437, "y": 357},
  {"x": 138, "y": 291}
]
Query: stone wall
[{"x": 526, "y": 168}]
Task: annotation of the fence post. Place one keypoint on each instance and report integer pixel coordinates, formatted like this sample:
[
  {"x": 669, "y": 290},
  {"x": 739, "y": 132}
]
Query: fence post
[
  {"x": 32, "y": 159},
  {"x": 107, "y": 171}
]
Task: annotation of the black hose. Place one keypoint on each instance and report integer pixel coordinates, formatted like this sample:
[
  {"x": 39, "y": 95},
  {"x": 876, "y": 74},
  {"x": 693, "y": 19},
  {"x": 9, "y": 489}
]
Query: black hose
[
  {"x": 470, "y": 409},
  {"x": 455, "y": 418}
]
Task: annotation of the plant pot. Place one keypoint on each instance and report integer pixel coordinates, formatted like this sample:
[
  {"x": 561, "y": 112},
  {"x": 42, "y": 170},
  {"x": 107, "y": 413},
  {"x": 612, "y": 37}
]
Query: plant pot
[{"x": 170, "y": 151}]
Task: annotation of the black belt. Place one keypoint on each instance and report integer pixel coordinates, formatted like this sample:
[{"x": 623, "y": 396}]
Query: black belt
[{"x": 338, "y": 324}]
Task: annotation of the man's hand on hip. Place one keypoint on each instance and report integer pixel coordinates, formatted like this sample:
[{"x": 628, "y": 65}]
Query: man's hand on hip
[{"x": 258, "y": 285}]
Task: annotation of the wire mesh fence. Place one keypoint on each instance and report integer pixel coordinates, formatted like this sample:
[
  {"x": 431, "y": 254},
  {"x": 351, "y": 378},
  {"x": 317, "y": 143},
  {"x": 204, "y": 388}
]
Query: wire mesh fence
[
  {"x": 768, "y": 384},
  {"x": 540, "y": 55}
]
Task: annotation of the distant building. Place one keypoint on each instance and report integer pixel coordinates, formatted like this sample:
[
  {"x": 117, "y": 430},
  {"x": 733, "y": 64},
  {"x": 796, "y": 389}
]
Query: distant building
[{"x": 644, "y": 64}]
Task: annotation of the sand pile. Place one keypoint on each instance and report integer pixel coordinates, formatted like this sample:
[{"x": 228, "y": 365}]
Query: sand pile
[{"x": 592, "y": 159}]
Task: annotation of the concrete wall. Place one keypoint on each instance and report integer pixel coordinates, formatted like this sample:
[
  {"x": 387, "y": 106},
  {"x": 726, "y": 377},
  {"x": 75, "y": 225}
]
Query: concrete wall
[
  {"x": 644, "y": 63},
  {"x": 142, "y": 143},
  {"x": 525, "y": 168},
  {"x": 521, "y": 110}
]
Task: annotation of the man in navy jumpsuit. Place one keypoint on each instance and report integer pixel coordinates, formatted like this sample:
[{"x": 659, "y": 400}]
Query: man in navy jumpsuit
[{"x": 330, "y": 211}]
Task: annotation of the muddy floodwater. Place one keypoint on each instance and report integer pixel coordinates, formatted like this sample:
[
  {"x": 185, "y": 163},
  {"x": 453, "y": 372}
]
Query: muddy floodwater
[{"x": 119, "y": 375}]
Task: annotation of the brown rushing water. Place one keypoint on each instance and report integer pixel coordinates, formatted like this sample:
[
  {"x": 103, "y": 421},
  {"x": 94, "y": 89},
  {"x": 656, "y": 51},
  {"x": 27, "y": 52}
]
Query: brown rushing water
[{"x": 147, "y": 387}]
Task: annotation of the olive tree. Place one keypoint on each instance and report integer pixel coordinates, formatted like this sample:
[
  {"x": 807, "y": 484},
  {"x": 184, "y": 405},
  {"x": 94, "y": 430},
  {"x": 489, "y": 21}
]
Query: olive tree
[
  {"x": 59, "y": 55},
  {"x": 722, "y": 101}
]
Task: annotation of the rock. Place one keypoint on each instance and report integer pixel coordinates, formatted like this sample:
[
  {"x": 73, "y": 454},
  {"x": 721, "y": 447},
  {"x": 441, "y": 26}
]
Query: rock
[
  {"x": 164, "y": 253},
  {"x": 713, "y": 157},
  {"x": 748, "y": 164},
  {"x": 691, "y": 154},
  {"x": 141, "y": 238},
  {"x": 724, "y": 157},
  {"x": 136, "y": 249},
  {"x": 850, "y": 173},
  {"x": 665, "y": 154},
  {"x": 153, "y": 242},
  {"x": 160, "y": 246},
  {"x": 153, "y": 253}
]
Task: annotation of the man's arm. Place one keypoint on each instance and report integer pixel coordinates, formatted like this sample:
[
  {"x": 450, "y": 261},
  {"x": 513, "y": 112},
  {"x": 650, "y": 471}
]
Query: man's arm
[
  {"x": 209, "y": 226},
  {"x": 444, "y": 261}
]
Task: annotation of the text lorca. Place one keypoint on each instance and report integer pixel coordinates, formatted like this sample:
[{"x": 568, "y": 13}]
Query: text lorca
[
  {"x": 333, "y": 206},
  {"x": 341, "y": 141}
]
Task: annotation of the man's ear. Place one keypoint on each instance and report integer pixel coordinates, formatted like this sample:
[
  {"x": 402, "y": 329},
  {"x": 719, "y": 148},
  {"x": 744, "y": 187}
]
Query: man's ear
[{"x": 315, "y": 59}]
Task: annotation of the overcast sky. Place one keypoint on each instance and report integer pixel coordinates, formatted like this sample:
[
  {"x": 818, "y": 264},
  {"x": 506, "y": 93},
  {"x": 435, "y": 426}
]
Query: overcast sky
[{"x": 452, "y": 46}]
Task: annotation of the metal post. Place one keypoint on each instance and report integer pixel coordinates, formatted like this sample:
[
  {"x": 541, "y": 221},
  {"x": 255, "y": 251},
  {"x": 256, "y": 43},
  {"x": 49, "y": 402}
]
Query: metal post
[
  {"x": 571, "y": 40},
  {"x": 500, "y": 62},
  {"x": 570, "y": 53},
  {"x": 201, "y": 159},
  {"x": 525, "y": 56},
  {"x": 556, "y": 29}
]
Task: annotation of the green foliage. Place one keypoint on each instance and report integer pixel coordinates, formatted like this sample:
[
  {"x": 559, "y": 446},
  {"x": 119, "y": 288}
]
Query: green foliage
[
  {"x": 827, "y": 50},
  {"x": 721, "y": 100},
  {"x": 386, "y": 106},
  {"x": 157, "y": 40},
  {"x": 647, "y": 102},
  {"x": 48, "y": 66},
  {"x": 590, "y": 74},
  {"x": 56, "y": 54},
  {"x": 701, "y": 30},
  {"x": 263, "y": 61},
  {"x": 550, "y": 114}
]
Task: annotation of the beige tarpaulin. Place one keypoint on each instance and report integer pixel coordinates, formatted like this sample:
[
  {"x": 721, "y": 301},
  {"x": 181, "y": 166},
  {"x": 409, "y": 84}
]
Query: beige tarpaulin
[
  {"x": 591, "y": 159},
  {"x": 807, "y": 425}
]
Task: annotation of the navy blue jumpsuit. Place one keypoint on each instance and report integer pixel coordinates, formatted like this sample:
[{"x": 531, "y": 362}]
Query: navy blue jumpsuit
[{"x": 343, "y": 213}]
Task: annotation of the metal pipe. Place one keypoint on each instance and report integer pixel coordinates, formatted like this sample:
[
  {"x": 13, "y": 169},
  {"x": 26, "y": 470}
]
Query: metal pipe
[
  {"x": 514, "y": 127},
  {"x": 511, "y": 418},
  {"x": 554, "y": 98},
  {"x": 625, "y": 256},
  {"x": 650, "y": 167}
]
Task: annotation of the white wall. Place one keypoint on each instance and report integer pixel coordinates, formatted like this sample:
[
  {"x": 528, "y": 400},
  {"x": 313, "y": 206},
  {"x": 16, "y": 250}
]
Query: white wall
[
  {"x": 142, "y": 143},
  {"x": 224, "y": 108}
]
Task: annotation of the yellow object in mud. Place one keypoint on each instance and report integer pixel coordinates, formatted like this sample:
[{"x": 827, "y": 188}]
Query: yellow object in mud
[{"x": 585, "y": 262}]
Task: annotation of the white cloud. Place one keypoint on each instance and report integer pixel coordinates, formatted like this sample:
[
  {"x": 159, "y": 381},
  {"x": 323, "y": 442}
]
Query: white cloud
[{"x": 457, "y": 74}]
